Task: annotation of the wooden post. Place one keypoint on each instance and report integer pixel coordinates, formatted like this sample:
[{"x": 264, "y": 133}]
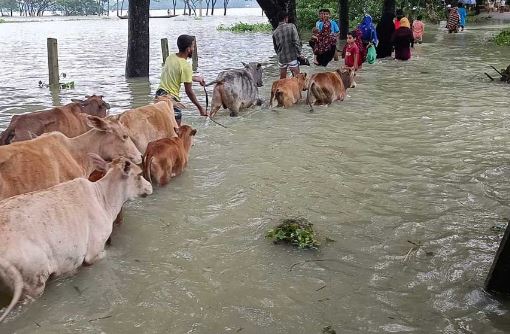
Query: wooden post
[
  {"x": 195, "y": 57},
  {"x": 164, "y": 49},
  {"x": 498, "y": 280},
  {"x": 53, "y": 62}
]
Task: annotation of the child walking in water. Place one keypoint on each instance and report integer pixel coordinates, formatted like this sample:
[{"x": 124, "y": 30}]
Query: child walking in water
[
  {"x": 351, "y": 52},
  {"x": 418, "y": 29}
]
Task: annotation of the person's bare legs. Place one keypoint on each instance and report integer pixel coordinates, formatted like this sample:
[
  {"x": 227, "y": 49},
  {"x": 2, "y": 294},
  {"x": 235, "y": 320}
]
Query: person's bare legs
[
  {"x": 294, "y": 71},
  {"x": 283, "y": 73}
]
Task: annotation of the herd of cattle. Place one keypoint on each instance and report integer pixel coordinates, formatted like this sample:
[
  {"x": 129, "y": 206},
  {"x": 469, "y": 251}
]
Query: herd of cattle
[{"x": 68, "y": 170}]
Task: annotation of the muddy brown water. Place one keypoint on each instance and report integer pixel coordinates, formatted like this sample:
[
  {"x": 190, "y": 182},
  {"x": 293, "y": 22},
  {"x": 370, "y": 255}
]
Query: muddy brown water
[{"x": 417, "y": 153}]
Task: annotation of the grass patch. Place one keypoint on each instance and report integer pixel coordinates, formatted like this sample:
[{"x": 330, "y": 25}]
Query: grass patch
[
  {"x": 246, "y": 27},
  {"x": 2, "y": 21},
  {"x": 296, "y": 231},
  {"x": 503, "y": 38}
]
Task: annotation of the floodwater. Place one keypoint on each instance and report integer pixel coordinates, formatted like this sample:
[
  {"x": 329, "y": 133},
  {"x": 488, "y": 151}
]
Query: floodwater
[{"x": 408, "y": 176}]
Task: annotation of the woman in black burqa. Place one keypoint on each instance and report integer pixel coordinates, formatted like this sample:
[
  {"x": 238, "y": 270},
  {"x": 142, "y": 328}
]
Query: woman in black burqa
[{"x": 385, "y": 30}]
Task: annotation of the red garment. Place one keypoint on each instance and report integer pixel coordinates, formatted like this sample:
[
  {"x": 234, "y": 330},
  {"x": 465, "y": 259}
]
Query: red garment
[
  {"x": 324, "y": 39},
  {"x": 361, "y": 47},
  {"x": 350, "y": 52},
  {"x": 397, "y": 24}
]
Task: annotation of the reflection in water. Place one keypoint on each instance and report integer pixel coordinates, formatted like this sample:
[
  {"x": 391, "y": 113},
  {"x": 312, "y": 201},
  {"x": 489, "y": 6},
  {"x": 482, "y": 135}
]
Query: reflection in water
[
  {"x": 417, "y": 152},
  {"x": 139, "y": 90},
  {"x": 55, "y": 96}
]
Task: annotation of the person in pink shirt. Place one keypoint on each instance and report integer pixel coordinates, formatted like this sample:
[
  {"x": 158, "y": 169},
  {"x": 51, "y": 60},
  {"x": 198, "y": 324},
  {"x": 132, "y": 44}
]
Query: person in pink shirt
[{"x": 418, "y": 29}]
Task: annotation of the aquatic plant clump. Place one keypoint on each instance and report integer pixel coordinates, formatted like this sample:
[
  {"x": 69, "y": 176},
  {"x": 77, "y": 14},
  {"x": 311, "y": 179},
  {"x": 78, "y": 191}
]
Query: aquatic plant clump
[
  {"x": 503, "y": 38},
  {"x": 296, "y": 231},
  {"x": 246, "y": 27}
]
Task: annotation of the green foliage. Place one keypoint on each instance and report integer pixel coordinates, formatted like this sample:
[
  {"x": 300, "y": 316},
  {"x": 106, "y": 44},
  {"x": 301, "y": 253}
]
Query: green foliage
[
  {"x": 2, "y": 21},
  {"x": 246, "y": 27},
  {"x": 296, "y": 231},
  {"x": 78, "y": 7},
  {"x": 503, "y": 38}
]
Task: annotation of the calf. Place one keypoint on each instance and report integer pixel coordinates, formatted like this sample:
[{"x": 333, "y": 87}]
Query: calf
[
  {"x": 54, "y": 158},
  {"x": 167, "y": 157},
  {"x": 150, "y": 123},
  {"x": 70, "y": 119},
  {"x": 54, "y": 231},
  {"x": 324, "y": 88},
  {"x": 237, "y": 89},
  {"x": 288, "y": 91}
]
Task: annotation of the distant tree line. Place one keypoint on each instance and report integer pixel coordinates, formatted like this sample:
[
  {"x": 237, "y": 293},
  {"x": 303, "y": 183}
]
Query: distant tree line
[
  {"x": 98, "y": 7},
  {"x": 64, "y": 7}
]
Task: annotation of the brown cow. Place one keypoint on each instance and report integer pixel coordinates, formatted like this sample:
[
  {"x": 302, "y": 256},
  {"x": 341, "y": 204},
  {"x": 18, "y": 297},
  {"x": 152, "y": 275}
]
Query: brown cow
[
  {"x": 69, "y": 119},
  {"x": 167, "y": 157},
  {"x": 324, "y": 88},
  {"x": 288, "y": 91},
  {"x": 150, "y": 123},
  {"x": 53, "y": 158}
]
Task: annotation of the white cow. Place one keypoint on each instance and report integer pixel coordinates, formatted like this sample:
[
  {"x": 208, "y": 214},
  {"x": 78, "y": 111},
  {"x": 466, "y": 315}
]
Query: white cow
[{"x": 56, "y": 230}]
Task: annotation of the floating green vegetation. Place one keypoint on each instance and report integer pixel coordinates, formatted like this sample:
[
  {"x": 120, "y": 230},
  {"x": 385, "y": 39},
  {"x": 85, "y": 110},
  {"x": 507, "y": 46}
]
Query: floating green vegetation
[
  {"x": 61, "y": 85},
  {"x": 296, "y": 231},
  {"x": 246, "y": 27},
  {"x": 2, "y": 21},
  {"x": 503, "y": 38}
]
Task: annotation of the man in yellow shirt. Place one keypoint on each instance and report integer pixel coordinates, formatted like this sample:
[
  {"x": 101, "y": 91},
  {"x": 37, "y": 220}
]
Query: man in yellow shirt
[{"x": 176, "y": 71}]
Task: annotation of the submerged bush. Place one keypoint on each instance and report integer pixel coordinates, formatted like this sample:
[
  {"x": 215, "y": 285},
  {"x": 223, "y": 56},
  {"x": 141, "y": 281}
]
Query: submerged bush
[
  {"x": 246, "y": 27},
  {"x": 503, "y": 38},
  {"x": 296, "y": 231}
]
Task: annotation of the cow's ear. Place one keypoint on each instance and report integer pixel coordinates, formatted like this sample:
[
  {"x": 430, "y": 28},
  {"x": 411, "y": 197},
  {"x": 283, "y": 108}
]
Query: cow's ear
[
  {"x": 76, "y": 100},
  {"x": 244, "y": 64},
  {"x": 177, "y": 130},
  {"x": 126, "y": 168},
  {"x": 98, "y": 162},
  {"x": 98, "y": 123},
  {"x": 259, "y": 65},
  {"x": 193, "y": 132}
]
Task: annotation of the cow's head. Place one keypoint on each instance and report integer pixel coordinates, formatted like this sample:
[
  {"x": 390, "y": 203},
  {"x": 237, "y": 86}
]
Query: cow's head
[
  {"x": 255, "y": 69},
  {"x": 125, "y": 171},
  {"x": 347, "y": 75},
  {"x": 112, "y": 139},
  {"x": 93, "y": 105},
  {"x": 186, "y": 133},
  {"x": 302, "y": 82}
]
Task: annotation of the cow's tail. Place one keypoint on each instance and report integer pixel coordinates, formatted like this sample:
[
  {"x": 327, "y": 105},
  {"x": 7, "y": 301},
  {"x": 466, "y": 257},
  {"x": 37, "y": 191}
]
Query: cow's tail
[
  {"x": 278, "y": 95},
  {"x": 310, "y": 91},
  {"x": 12, "y": 278},
  {"x": 147, "y": 167},
  {"x": 7, "y": 136},
  {"x": 215, "y": 82}
]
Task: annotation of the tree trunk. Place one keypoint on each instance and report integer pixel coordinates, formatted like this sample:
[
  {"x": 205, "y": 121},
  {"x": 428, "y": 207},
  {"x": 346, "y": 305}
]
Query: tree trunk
[
  {"x": 389, "y": 6},
  {"x": 343, "y": 15},
  {"x": 272, "y": 7},
  {"x": 213, "y": 3},
  {"x": 137, "y": 64},
  {"x": 225, "y": 4}
]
